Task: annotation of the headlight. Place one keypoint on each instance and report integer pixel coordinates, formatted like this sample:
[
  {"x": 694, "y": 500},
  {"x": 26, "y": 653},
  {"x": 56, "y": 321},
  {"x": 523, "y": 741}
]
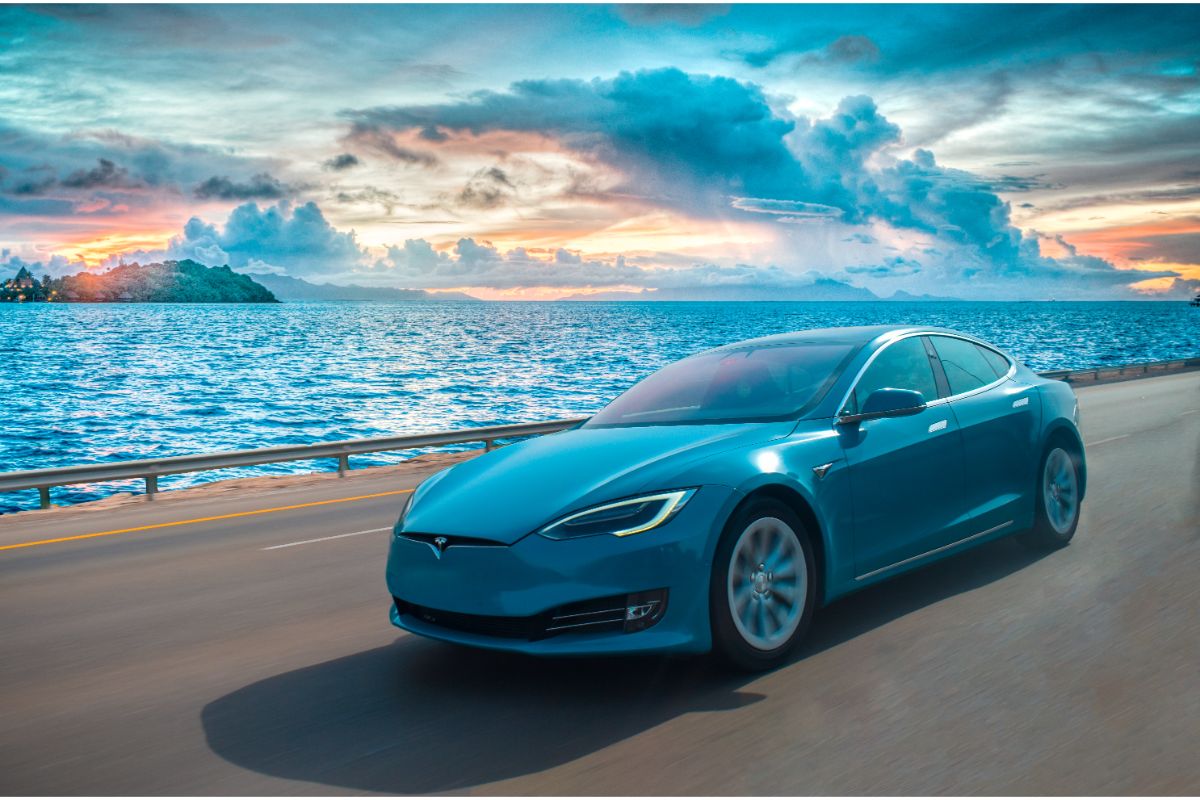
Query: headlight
[{"x": 622, "y": 518}]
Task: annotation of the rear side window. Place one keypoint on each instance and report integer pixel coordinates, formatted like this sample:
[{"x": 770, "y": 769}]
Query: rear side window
[
  {"x": 903, "y": 365},
  {"x": 998, "y": 362},
  {"x": 966, "y": 365}
]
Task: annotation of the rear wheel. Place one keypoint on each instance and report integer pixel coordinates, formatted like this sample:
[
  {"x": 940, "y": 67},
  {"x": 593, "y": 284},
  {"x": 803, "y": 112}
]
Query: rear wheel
[
  {"x": 1057, "y": 501},
  {"x": 763, "y": 586}
]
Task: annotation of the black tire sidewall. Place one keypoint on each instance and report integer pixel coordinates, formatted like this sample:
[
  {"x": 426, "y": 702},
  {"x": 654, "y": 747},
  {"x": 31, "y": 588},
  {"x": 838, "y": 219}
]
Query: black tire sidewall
[
  {"x": 1043, "y": 533},
  {"x": 727, "y": 641}
]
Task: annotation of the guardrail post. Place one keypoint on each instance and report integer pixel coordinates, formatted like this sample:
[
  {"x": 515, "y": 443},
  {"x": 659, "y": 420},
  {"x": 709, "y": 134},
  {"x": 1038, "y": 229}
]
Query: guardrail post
[
  {"x": 343, "y": 465},
  {"x": 488, "y": 444},
  {"x": 151, "y": 486},
  {"x": 44, "y": 496}
]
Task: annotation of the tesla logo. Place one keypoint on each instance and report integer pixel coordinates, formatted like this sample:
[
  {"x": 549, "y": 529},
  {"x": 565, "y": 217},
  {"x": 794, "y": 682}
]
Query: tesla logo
[{"x": 439, "y": 545}]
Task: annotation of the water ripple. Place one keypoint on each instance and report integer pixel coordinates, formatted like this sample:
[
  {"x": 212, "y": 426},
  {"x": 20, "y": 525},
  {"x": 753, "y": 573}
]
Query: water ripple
[{"x": 92, "y": 383}]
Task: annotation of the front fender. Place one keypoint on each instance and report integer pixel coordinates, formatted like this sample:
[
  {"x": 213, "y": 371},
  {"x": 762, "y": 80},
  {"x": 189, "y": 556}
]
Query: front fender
[{"x": 786, "y": 468}]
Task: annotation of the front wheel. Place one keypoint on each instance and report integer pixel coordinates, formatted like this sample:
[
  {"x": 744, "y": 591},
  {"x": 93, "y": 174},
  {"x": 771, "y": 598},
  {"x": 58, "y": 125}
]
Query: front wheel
[
  {"x": 763, "y": 588},
  {"x": 1057, "y": 501}
]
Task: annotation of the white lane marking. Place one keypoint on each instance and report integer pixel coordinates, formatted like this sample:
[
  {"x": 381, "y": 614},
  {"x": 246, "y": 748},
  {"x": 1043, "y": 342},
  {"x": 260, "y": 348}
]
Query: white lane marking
[
  {"x": 1109, "y": 439},
  {"x": 1193, "y": 411},
  {"x": 1024, "y": 401},
  {"x": 325, "y": 538},
  {"x": 937, "y": 426}
]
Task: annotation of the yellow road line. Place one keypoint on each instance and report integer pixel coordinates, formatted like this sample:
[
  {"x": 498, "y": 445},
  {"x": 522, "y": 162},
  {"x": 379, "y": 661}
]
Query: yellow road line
[{"x": 202, "y": 519}]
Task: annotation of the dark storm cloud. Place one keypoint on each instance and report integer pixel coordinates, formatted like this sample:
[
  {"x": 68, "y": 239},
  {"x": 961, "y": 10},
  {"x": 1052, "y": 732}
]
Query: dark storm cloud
[
  {"x": 83, "y": 164},
  {"x": 850, "y": 49},
  {"x": 691, "y": 140},
  {"x": 371, "y": 137},
  {"x": 384, "y": 198},
  {"x": 686, "y": 14},
  {"x": 262, "y": 186},
  {"x": 105, "y": 174},
  {"x": 487, "y": 188},
  {"x": 341, "y": 161},
  {"x": 891, "y": 268},
  {"x": 1176, "y": 248}
]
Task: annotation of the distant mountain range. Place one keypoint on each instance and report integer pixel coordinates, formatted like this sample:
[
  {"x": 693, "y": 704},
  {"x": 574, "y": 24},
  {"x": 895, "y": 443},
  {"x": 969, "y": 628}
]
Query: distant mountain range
[
  {"x": 286, "y": 288},
  {"x": 820, "y": 289}
]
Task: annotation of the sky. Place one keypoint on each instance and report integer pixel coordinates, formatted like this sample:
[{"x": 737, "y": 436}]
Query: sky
[{"x": 539, "y": 151}]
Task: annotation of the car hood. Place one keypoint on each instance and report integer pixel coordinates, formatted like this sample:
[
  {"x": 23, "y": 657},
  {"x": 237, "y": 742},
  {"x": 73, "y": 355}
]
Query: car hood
[{"x": 512, "y": 491}]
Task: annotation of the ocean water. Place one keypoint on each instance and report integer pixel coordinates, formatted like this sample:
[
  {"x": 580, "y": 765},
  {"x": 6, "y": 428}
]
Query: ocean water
[{"x": 95, "y": 383}]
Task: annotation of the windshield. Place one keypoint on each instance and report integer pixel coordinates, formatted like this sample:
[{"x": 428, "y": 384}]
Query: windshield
[{"x": 752, "y": 383}]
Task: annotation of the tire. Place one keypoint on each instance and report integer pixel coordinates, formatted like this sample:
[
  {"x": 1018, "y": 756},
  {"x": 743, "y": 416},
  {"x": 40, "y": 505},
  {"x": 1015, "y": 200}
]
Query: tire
[
  {"x": 776, "y": 606},
  {"x": 1057, "y": 500}
]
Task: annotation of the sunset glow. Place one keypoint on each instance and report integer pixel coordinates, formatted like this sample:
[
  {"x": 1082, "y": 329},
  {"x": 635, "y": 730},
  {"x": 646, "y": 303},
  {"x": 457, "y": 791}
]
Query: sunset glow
[{"x": 556, "y": 150}]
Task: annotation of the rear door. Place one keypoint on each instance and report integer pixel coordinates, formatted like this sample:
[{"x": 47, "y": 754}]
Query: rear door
[
  {"x": 906, "y": 472},
  {"x": 998, "y": 420}
]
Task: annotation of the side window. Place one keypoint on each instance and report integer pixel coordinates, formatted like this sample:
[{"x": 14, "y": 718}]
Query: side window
[
  {"x": 903, "y": 365},
  {"x": 998, "y": 362},
  {"x": 965, "y": 364}
]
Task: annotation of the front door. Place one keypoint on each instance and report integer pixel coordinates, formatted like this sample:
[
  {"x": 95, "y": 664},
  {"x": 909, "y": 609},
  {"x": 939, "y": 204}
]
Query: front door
[{"x": 906, "y": 472}]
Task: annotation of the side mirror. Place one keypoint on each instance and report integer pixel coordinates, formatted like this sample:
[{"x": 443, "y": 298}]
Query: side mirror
[{"x": 886, "y": 403}]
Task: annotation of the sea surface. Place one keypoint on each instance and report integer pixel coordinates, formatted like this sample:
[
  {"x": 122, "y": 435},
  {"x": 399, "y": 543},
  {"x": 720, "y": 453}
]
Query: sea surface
[{"x": 95, "y": 383}]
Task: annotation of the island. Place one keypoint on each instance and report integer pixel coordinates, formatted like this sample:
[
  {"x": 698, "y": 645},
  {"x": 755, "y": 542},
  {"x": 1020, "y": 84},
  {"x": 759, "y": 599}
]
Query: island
[{"x": 166, "y": 282}]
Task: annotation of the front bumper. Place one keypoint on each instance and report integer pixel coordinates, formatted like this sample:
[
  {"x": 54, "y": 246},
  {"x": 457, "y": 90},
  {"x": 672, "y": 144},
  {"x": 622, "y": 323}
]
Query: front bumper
[{"x": 535, "y": 576}]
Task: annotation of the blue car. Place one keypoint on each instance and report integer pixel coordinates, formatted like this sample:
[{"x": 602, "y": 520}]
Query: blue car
[{"x": 722, "y": 500}]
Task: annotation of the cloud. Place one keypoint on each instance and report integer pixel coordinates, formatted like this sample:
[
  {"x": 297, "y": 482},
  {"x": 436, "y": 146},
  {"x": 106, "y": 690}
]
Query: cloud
[
  {"x": 416, "y": 264},
  {"x": 74, "y": 174},
  {"x": 711, "y": 146},
  {"x": 341, "y": 162},
  {"x": 488, "y": 188},
  {"x": 262, "y": 186},
  {"x": 851, "y": 49},
  {"x": 844, "y": 50},
  {"x": 386, "y": 199},
  {"x": 1174, "y": 248},
  {"x": 370, "y": 137},
  {"x": 297, "y": 241},
  {"x": 105, "y": 174},
  {"x": 680, "y": 140},
  {"x": 686, "y": 14},
  {"x": 897, "y": 267},
  {"x": 56, "y": 266},
  {"x": 786, "y": 209}
]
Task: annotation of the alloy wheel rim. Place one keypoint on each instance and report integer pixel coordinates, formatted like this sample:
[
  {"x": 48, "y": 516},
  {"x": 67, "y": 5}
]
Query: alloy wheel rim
[
  {"x": 1060, "y": 490},
  {"x": 768, "y": 583}
]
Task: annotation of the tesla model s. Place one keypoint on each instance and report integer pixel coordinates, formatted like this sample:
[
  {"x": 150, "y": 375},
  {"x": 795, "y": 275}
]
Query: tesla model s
[{"x": 719, "y": 502}]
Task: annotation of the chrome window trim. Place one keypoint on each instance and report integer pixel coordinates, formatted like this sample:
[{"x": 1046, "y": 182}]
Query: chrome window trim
[{"x": 1012, "y": 368}]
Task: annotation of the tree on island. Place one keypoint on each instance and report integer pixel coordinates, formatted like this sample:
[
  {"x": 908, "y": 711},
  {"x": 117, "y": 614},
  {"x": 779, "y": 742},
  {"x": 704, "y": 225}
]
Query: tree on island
[{"x": 24, "y": 288}]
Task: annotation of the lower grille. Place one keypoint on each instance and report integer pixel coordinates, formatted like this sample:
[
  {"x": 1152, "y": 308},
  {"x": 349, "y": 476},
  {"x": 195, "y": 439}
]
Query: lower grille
[
  {"x": 503, "y": 627},
  {"x": 605, "y": 614}
]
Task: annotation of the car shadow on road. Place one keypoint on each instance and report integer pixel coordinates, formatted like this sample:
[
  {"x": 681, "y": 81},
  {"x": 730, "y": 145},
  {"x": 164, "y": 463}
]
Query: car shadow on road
[{"x": 421, "y": 716}]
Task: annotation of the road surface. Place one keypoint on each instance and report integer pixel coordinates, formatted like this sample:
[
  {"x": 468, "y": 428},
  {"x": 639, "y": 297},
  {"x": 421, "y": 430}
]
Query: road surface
[{"x": 235, "y": 656}]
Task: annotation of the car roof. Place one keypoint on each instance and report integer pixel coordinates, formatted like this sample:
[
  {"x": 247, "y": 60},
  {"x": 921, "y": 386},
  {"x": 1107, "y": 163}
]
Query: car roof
[{"x": 854, "y": 336}]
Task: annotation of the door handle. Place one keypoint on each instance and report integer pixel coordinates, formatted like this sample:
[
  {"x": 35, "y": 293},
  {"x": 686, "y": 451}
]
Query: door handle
[{"x": 938, "y": 426}]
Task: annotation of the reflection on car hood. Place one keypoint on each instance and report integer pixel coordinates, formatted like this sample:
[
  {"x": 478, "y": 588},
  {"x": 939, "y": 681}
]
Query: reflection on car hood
[{"x": 514, "y": 490}]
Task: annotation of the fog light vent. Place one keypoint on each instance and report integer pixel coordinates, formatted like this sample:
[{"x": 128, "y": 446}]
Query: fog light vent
[{"x": 644, "y": 609}]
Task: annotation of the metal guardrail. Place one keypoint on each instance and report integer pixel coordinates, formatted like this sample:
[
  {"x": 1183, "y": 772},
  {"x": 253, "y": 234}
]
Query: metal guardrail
[
  {"x": 150, "y": 470},
  {"x": 1123, "y": 371}
]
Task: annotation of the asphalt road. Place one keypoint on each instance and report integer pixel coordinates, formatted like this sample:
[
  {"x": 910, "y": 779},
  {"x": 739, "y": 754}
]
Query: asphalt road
[{"x": 196, "y": 659}]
